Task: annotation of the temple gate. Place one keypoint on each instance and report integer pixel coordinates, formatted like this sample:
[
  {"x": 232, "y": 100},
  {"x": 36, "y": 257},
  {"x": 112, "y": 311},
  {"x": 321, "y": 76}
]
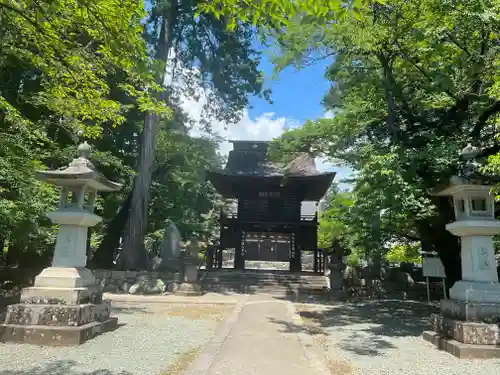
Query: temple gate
[{"x": 268, "y": 224}]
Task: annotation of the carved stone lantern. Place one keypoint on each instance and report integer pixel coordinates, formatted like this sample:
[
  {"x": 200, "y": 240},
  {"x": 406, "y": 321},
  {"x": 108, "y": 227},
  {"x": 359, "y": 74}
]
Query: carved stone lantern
[
  {"x": 69, "y": 307},
  {"x": 79, "y": 182},
  {"x": 189, "y": 267},
  {"x": 475, "y": 224},
  {"x": 468, "y": 322}
]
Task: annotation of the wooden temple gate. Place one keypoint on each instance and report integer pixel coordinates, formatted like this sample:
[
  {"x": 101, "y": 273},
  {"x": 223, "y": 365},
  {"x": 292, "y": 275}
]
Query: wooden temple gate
[{"x": 269, "y": 199}]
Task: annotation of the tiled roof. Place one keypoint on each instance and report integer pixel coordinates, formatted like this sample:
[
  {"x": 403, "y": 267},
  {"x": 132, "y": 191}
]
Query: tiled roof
[{"x": 247, "y": 161}]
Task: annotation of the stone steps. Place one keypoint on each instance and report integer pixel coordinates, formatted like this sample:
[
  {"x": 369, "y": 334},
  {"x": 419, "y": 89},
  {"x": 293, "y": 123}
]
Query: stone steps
[{"x": 273, "y": 283}]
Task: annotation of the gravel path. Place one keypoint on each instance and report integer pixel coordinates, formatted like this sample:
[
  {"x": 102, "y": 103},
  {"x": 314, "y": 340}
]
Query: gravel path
[
  {"x": 384, "y": 338},
  {"x": 151, "y": 340}
]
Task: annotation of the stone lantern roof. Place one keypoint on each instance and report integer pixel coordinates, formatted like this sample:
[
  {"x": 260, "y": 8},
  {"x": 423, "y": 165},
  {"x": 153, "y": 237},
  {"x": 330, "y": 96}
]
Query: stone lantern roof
[{"x": 79, "y": 172}]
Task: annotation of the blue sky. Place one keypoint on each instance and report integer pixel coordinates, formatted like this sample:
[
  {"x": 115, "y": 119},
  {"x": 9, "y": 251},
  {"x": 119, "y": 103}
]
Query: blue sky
[
  {"x": 296, "y": 94},
  {"x": 297, "y": 97}
]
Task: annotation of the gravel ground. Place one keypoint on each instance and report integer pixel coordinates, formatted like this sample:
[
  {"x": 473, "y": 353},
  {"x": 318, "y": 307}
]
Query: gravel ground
[
  {"x": 150, "y": 342},
  {"x": 384, "y": 338}
]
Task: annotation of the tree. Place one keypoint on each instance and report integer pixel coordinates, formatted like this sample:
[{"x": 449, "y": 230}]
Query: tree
[
  {"x": 72, "y": 46},
  {"x": 407, "y": 253},
  {"x": 276, "y": 14},
  {"x": 332, "y": 220},
  {"x": 205, "y": 54},
  {"x": 56, "y": 60},
  {"x": 411, "y": 84},
  {"x": 35, "y": 133}
]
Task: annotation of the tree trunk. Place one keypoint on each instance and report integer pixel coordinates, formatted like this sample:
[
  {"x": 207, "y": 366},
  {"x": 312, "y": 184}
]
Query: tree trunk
[
  {"x": 134, "y": 256},
  {"x": 389, "y": 92},
  {"x": 105, "y": 254},
  {"x": 444, "y": 243},
  {"x": 2, "y": 254}
]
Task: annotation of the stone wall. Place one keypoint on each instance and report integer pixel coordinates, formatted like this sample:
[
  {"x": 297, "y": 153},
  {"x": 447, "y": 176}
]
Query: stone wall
[{"x": 122, "y": 281}]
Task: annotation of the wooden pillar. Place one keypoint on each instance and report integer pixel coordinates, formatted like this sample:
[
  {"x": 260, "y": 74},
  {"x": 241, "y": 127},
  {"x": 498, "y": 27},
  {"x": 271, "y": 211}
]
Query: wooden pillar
[
  {"x": 295, "y": 253},
  {"x": 211, "y": 251},
  {"x": 316, "y": 263},
  {"x": 219, "y": 256},
  {"x": 239, "y": 254}
]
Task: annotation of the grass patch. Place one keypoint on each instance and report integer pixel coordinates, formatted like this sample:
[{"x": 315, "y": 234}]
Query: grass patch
[
  {"x": 198, "y": 311},
  {"x": 182, "y": 362}
]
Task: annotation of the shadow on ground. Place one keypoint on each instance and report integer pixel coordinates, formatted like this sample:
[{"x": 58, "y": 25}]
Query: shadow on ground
[
  {"x": 119, "y": 308},
  {"x": 61, "y": 368},
  {"x": 365, "y": 328},
  {"x": 386, "y": 317}
]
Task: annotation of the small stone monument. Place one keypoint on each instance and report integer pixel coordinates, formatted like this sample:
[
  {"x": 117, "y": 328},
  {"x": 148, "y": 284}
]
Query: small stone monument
[
  {"x": 65, "y": 306},
  {"x": 170, "y": 247},
  {"x": 468, "y": 325},
  {"x": 170, "y": 250}
]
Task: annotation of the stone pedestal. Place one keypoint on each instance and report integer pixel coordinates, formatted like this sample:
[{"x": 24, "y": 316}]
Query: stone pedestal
[
  {"x": 336, "y": 278},
  {"x": 64, "y": 307},
  {"x": 469, "y": 323},
  {"x": 189, "y": 285},
  {"x": 57, "y": 317},
  {"x": 467, "y": 329}
]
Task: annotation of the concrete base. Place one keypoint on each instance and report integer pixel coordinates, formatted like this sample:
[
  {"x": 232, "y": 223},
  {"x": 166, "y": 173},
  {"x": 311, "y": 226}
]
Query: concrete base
[
  {"x": 475, "y": 291},
  {"x": 57, "y": 316},
  {"x": 471, "y": 311},
  {"x": 63, "y": 296},
  {"x": 55, "y": 335},
  {"x": 467, "y": 329},
  {"x": 189, "y": 289},
  {"x": 461, "y": 350},
  {"x": 65, "y": 277},
  {"x": 474, "y": 333}
]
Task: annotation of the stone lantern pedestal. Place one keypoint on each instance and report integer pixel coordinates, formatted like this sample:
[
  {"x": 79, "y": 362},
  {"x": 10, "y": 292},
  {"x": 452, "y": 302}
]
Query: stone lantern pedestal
[
  {"x": 469, "y": 323},
  {"x": 65, "y": 306},
  {"x": 189, "y": 285}
]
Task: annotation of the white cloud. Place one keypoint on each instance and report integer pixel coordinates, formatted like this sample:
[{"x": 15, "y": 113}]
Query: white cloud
[{"x": 262, "y": 128}]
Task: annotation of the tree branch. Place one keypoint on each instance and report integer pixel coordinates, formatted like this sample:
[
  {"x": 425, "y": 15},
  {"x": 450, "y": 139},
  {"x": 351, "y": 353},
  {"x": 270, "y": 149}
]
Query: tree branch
[{"x": 481, "y": 122}]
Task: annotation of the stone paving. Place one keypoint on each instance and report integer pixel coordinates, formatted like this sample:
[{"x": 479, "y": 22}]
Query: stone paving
[
  {"x": 257, "y": 340},
  {"x": 250, "y": 334},
  {"x": 383, "y": 338}
]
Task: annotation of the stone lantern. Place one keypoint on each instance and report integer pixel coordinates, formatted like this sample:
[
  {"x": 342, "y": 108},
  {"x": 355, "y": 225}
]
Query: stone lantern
[
  {"x": 337, "y": 267},
  {"x": 468, "y": 323},
  {"x": 189, "y": 267},
  {"x": 65, "y": 307}
]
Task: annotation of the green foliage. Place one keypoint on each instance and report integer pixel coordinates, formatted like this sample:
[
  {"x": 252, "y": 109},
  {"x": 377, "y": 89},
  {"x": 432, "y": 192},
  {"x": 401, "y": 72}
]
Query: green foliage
[
  {"x": 409, "y": 253},
  {"x": 412, "y": 83},
  {"x": 98, "y": 73},
  {"x": 279, "y": 13},
  {"x": 353, "y": 259},
  {"x": 332, "y": 224},
  {"x": 72, "y": 47}
]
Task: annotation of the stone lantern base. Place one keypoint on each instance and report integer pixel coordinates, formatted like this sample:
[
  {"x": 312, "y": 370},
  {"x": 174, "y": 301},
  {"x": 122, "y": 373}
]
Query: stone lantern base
[
  {"x": 189, "y": 285},
  {"x": 58, "y": 315},
  {"x": 467, "y": 329}
]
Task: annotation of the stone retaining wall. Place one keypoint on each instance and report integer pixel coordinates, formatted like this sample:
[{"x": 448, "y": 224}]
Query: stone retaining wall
[{"x": 121, "y": 281}]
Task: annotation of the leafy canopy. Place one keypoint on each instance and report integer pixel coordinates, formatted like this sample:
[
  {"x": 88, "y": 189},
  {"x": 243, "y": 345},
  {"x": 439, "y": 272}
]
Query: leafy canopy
[
  {"x": 74, "y": 45},
  {"x": 277, "y": 14}
]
